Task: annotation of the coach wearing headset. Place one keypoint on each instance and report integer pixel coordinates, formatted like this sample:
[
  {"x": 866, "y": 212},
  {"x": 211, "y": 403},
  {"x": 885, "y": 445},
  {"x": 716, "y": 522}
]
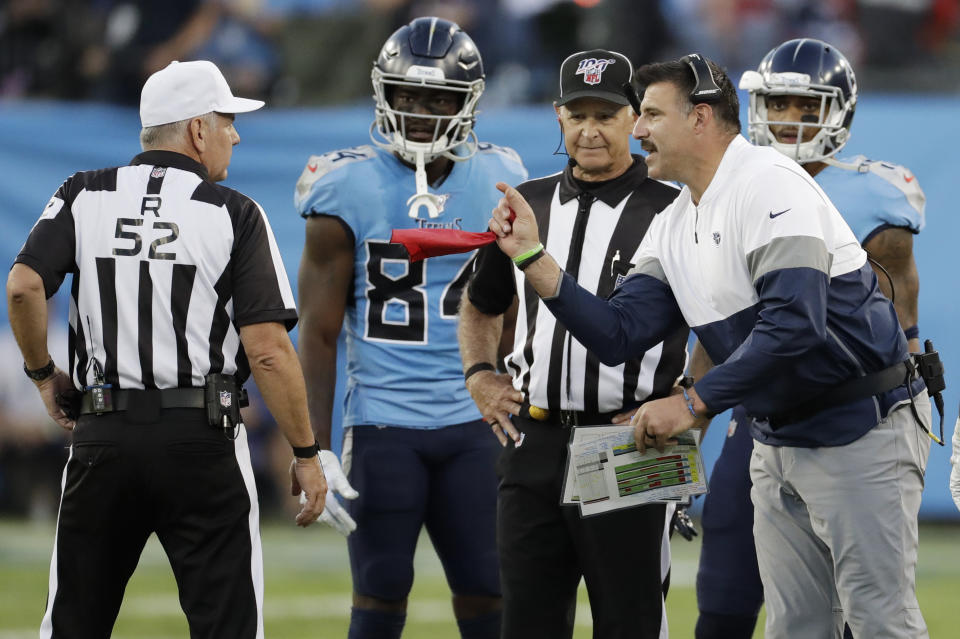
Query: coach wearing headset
[
  {"x": 780, "y": 294},
  {"x": 598, "y": 210}
]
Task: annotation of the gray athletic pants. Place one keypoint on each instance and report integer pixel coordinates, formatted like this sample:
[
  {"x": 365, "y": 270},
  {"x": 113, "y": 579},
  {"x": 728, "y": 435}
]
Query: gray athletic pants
[{"x": 836, "y": 532}]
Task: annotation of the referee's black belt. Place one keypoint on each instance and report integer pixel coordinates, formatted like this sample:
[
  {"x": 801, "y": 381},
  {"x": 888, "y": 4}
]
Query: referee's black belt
[
  {"x": 850, "y": 391},
  {"x": 566, "y": 418},
  {"x": 167, "y": 398}
]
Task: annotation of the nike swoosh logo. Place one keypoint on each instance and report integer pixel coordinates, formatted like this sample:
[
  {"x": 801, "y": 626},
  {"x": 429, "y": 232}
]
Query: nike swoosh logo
[
  {"x": 908, "y": 179},
  {"x": 312, "y": 167},
  {"x": 773, "y": 215}
]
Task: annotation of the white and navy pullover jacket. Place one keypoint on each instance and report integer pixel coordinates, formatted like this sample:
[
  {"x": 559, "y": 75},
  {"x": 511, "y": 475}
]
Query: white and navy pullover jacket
[{"x": 776, "y": 287}]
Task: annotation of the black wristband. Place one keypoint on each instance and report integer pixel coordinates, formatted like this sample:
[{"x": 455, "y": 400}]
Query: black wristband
[
  {"x": 306, "y": 452},
  {"x": 476, "y": 368},
  {"x": 530, "y": 260},
  {"x": 41, "y": 373}
]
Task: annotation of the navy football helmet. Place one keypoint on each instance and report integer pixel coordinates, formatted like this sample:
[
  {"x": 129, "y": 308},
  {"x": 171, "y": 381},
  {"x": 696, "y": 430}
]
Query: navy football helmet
[
  {"x": 437, "y": 54},
  {"x": 809, "y": 68}
]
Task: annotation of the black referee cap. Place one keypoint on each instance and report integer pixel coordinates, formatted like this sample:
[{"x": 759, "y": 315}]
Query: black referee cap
[{"x": 595, "y": 74}]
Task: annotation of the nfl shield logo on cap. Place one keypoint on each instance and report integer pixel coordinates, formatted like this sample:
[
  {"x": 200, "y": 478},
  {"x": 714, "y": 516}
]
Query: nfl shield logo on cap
[{"x": 592, "y": 69}]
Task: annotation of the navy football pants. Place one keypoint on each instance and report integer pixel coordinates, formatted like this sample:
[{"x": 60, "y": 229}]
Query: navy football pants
[
  {"x": 728, "y": 579},
  {"x": 410, "y": 478}
]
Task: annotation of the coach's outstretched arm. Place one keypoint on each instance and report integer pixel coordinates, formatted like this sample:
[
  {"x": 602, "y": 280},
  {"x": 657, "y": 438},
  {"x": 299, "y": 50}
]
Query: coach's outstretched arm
[{"x": 640, "y": 313}]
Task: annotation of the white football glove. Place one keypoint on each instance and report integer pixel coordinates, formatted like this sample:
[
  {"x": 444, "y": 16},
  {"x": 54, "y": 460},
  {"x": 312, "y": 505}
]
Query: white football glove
[
  {"x": 955, "y": 461},
  {"x": 334, "y": 515}
]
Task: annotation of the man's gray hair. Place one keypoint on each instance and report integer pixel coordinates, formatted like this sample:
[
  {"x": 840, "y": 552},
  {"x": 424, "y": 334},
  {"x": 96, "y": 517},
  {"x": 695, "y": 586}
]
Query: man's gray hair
[{"x": 169, "y": 134}]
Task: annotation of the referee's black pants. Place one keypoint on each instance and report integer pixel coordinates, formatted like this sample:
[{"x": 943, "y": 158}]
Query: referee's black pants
[
  {"x": 173, "y": 475},
  {"x": 545, "y": 548}
]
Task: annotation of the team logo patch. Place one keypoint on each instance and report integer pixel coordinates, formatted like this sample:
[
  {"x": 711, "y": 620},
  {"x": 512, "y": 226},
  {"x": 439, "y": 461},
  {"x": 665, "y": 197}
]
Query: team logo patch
[
  {"x": 592, "y": 69},
  {"x": 716, "y": 238},
  {"x": 226, "y": 399},
  {"x": 619, "y": 281},
  {"x": 158, "y": 172},
  {"x": 440, "y": 200}
]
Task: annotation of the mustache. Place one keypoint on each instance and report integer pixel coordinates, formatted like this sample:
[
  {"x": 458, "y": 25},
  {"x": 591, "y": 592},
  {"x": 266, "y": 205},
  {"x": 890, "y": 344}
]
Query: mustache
[{"x": 648, "y": 147}]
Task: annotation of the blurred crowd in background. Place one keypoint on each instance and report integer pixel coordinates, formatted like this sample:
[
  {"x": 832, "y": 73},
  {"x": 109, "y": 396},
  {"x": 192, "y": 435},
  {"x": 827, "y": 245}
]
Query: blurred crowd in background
[{"x": 320, "y": 52}]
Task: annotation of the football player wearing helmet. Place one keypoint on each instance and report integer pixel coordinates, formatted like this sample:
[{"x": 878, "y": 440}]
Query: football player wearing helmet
[
  {"x": 802, "y": 101},
  {"x": 424, "y": 71},
  {"x": 415, "y": 451}
]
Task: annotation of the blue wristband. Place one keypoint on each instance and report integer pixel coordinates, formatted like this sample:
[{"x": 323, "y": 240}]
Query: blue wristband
[
  {"x": 912, "y": 332},
  {"x": 689, "y": 400}
]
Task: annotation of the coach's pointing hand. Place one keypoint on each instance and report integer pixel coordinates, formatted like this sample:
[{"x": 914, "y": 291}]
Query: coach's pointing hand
[
  {"x": 514, "y": 223},
  {"x": 518, "y": 237}
]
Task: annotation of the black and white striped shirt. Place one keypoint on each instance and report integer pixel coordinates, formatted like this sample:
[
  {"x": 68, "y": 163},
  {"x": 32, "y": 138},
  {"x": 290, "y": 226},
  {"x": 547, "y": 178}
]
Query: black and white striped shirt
[
  {"x": 166, "y": 267},
  {"x": 593, "y": 230}
]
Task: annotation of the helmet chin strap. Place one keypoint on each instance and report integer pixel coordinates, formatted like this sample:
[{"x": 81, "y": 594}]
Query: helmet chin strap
[{"x": 423, "y": 198}]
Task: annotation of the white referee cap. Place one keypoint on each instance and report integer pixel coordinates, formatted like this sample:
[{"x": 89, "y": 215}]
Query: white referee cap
[{"x": 187, "y": 89}]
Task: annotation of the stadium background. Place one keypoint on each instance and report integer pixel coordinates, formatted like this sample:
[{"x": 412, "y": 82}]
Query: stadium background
[{"x": 310, "y": 60}]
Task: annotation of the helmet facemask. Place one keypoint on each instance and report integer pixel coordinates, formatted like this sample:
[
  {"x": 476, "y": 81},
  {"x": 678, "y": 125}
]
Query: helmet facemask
[
  {"x": 830, "y": 137},
  {"x": 453, "y": 136},
  {"x": 389, "y": 129}
]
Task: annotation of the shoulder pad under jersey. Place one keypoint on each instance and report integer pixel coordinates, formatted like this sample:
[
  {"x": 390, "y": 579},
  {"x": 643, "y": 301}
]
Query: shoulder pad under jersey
[
  {"x": 896, "y": 175},
  {"x": 487, "y": 147},
  {"x": 320, "y": 165}
]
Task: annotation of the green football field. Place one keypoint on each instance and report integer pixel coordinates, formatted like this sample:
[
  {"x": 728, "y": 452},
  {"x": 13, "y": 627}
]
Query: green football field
[{"x": 308, "y": 587}]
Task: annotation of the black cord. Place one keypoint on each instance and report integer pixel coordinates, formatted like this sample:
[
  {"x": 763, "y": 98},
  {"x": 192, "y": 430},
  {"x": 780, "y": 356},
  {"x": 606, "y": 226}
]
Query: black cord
[
  {"x": 230, "y": 430},
  {"x": 893, "y": 292},
  {"x": 913, "y": 405},
  {"x": 916, "y": 414},
  {"x": 561, "y": 145}
]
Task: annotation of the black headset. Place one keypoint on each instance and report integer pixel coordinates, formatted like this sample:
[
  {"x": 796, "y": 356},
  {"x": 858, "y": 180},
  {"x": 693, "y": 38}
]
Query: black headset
[
  {"x": 632, "y": 97},
  {"x": 705, "y": 87}
]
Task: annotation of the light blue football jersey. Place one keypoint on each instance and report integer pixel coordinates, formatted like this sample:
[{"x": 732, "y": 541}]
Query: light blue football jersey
[
  {"x": 873, "y": 195},
  {"x": 403, "y": 360}
]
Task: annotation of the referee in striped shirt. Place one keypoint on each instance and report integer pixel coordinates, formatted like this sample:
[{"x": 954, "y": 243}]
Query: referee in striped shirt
[
  {"x": 178, "y": 294},
  {"x": 592, "y": 217}
]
